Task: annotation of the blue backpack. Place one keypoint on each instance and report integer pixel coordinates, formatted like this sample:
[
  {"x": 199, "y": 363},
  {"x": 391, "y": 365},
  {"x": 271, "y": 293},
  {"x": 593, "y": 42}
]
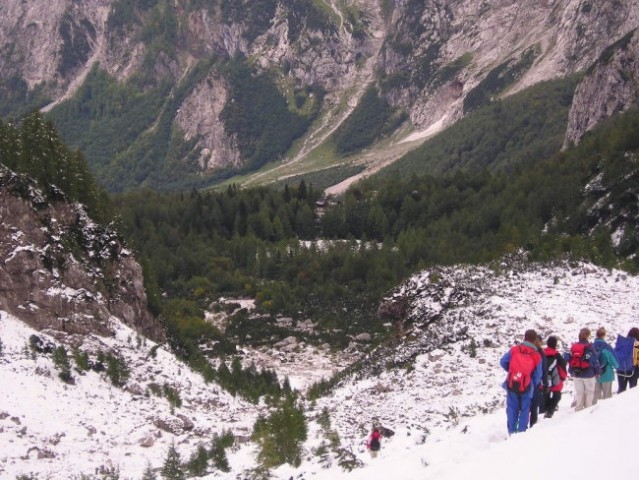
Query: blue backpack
[{"x": 624, "y": 348}]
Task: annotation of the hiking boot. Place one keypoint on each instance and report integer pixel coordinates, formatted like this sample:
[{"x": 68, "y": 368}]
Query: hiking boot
[{"x": 548, "y": 415}]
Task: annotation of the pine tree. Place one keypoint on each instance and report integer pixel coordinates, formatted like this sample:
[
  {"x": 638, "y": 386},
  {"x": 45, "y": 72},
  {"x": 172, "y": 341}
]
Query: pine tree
[
  {"x": 149, "y": 474},
  {"x": 172, "y": 469},
  {"x": 199, "y": 462},
  {"x": 62, "y": 364}
]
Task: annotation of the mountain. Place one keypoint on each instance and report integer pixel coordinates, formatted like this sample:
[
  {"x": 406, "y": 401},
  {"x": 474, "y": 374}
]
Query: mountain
[
  {"x": 63, "y": 271},
  {"x": 176, "y": 94},
  {"x": 439, "y": 390}
]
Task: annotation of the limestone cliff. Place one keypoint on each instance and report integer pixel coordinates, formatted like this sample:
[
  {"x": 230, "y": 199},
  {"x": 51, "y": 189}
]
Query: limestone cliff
[
  {"x": 436, "y": 60},
  {"x": 60, "y": 270},
  {"x": 610, "y": 86}
]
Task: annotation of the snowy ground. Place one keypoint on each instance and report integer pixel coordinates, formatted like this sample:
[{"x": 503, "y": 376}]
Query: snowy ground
[{"x": 446, "y": 406}]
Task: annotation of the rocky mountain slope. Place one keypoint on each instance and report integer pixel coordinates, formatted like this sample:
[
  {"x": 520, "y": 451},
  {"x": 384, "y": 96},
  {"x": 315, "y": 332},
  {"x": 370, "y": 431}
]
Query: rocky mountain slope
[
  {"x": 442, "y": 379},
  {"x": 435, "y": 61},
  {"x": 60, "y": 270}
]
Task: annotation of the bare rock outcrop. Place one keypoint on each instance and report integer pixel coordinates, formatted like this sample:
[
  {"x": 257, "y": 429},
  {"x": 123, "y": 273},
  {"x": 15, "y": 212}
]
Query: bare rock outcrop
[
  {"x": 611, "y": 86},
  {"x": 59, "y": 270}
]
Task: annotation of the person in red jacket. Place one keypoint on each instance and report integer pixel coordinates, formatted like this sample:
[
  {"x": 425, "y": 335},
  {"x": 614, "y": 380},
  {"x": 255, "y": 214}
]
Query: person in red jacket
[
  {"x": 374, "y": 443},
  {"x": 556, "y": 374}
]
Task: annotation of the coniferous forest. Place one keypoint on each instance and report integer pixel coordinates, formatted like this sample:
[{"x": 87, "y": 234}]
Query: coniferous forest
[{"x": 334, "y": 265}]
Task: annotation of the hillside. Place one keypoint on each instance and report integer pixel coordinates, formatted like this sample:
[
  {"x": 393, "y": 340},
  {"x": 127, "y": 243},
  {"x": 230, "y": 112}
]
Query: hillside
[
  {"x": 190, "y": 94},
  {"x": 428, "y": 388}
]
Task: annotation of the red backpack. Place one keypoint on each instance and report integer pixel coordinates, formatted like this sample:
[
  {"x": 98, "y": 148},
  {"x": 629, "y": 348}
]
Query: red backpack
[
  {"x": 523, "y": 361},
  {"x": 579, "y": 357}
]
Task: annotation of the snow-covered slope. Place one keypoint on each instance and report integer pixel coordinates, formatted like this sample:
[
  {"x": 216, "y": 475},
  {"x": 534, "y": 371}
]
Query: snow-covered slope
[{"x": 442, "y": 397}]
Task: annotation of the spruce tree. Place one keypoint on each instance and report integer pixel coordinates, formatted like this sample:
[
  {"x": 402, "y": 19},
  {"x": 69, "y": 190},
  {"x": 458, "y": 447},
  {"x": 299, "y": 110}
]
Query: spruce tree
[
  {"x": 149, "y": 474},
  {"x": 172, "y": 469},
  {"x": 62, "y": 364}
]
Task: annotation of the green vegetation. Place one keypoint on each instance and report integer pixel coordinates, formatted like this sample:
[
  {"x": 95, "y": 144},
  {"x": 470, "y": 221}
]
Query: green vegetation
[
  {"x": 499, "y": 79},
  {"x": 372, "y": 118},
  {"x": 258, "y": 114},
  {"x": 34, "y": 148},
  {"x": 281, "y": 434},
  {"x": 17, "y": 100},
  {"x": 520, "y": 129},
  {"x": 62, "y": 364}
]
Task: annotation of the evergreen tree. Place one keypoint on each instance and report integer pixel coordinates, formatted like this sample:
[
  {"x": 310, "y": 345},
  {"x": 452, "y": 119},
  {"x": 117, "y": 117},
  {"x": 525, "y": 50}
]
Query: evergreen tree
[
  {"x": 62, "y": 364},
  {"x": 172, "y": 469},
  {"x": 199, "y": 462},
  {"x": 149, "y": 474}
]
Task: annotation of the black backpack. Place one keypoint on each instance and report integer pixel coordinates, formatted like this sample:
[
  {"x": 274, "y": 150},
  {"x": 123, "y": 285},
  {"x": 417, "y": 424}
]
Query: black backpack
[{"x": 552, "y": 373}]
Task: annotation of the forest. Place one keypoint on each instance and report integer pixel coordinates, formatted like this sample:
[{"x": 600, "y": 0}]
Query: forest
[{"x": 334, "y": 264}]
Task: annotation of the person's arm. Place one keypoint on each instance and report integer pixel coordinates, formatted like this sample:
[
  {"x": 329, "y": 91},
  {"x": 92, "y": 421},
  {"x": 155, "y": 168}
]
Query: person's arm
[
  {"x": 538, "y": 373},
  {"x": 505, "y": 360}
]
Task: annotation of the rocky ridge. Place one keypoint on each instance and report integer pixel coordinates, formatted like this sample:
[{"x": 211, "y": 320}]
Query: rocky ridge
[
  {"x": 427, "y": 58},
  {"x": 61, "y": 271}
]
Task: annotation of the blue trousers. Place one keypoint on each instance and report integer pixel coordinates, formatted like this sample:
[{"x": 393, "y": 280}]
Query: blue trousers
[{"x": 518, "y": 411}]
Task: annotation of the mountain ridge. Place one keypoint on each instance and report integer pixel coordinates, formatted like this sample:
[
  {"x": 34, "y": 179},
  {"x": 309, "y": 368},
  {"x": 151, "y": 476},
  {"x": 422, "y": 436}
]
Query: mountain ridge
[{"x": 428, "y": 59}]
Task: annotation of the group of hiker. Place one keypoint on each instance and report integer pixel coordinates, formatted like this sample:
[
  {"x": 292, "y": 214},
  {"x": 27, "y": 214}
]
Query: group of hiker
[{"x": 536, "y": 375}]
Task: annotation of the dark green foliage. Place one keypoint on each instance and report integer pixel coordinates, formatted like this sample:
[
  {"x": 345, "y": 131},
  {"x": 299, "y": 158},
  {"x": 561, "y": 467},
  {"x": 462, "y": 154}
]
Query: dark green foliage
[
  {"x": 149, "y": 473},
  {"x": 17, "y": 100},
  {"x": 255, "y": 16},
  {"x": 248, "y": 382},
  {"x": 281, "y": 435},
  {"x": 81, "y": 360},
  {"x": 172, "y": 395},
  {"x": 258, "y": 114},
  {"x": 304, "y": 15},
  {"x": 540, "y": 207},
  {"x": 173, "y": 469},
  {"x": 34, "y": 148},
  {"x": 617, "y": 46},
  {"x": 500, "y": 78},
  {"x": 76, "y": 43},
  {"x": 117, "y": 370},
  {"x": 217, "y": 454},
  {"x": 526, "y": 127},
  {"x": 62, "y": 364},
  {"x": 105, "y": 118},
  {"x": 197, "y": 465},
  {"x": 372, "y": 118}
]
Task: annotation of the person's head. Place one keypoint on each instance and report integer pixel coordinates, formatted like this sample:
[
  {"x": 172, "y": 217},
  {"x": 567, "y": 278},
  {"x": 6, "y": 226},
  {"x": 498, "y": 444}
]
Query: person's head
[
  {"x": 552, "y": 342},
  {"x": 584, "y": 334},
  {"x": 375, "y": 429},
  {"x": 634, "y": 333},
  {"x": 537, "y": 343},
  {"x": 601, "y": 332},
  {"x": 530, "y": 336}
]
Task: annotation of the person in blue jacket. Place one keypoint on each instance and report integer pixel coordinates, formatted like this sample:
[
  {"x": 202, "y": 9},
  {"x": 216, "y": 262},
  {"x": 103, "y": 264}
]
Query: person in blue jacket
[{"x": 523, "y": 364}]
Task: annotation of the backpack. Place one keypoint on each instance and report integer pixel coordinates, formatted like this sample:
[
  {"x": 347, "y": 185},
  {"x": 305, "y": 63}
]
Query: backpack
[
  {"x": 624, "y": 350},
  {"x": 552, "y": 373},
  {"x": 579, "y": 357},
  {"x": 523, "y": 361}
]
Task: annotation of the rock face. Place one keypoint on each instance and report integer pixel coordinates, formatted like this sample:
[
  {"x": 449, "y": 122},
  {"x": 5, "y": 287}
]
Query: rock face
[
  {"x": 434, "y": 59},
  {"x": 609, "y": 87},
  {"x": 59, "y": 270}
]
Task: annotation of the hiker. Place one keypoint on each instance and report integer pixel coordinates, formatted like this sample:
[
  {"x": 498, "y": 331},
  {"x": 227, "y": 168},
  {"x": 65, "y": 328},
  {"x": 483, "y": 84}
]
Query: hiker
[
  {"x": 523, "y": 364},
  {"x": 627, "y": 353},
  {"x": 537, "y": 405},
  {"x": 608, "y": 363},
  {"x": 374, "y": 443},
  {"x": 583, "y": 365},
  {"x": 556, "y": 373}
]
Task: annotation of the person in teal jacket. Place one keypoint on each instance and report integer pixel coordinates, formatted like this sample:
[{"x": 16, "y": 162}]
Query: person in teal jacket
[{"x": 608, "y": 362}]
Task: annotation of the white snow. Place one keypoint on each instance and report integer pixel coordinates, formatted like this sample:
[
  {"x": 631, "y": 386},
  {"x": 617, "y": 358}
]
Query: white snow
[{"x": 445, "y": 406}]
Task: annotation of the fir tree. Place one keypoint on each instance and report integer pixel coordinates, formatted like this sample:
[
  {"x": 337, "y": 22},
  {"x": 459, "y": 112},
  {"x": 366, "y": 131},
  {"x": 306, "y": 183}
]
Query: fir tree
[
  {"x": 149, "y": 474},
  {"x": 62, "y": 364},
  {"x": 172, "y": 469}
]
